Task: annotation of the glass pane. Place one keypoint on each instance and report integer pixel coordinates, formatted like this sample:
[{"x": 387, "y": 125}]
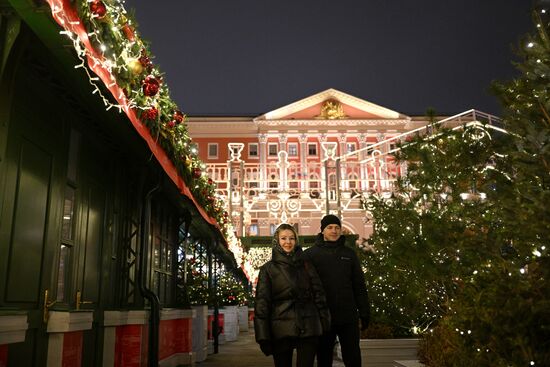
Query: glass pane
[
  {"x": 156, "y": 280},
  {"x": 253, "y": 150},
  {"x": 156, "y": 254},
  {"x": 163, "y": 256},
  {"x": 168, "y": 296},
  {"x": 161, "y": 287},
  {"x": 62, "y": 272},
  {"x": 168, "y": 259},
  {"x": 68, "y": 214}
]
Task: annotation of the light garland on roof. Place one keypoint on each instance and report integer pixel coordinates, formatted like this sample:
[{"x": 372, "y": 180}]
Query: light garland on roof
[{"x": 114, "y": 57}]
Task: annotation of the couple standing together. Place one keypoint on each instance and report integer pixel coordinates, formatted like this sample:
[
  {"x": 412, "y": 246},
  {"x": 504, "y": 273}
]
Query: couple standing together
[{"x": 305, "y": 299}]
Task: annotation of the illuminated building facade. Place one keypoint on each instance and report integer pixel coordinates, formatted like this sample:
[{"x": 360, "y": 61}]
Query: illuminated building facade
[{"x": 299, "y": 162}]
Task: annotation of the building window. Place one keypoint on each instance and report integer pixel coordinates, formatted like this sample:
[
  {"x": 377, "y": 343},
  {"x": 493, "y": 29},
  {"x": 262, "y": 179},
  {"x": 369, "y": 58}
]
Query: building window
[
  {"x": 312, "y": 149},
  {"x": 314, "y": 185},
  {"x": 252, "y": 186},
  {"x": 272, "y": 228},
  {"x": 212, "y": 150},
  {"x": 272, "y": 150},
  {"x": 350, "y": 147},
  {"x": 164, "y": 235},
  {"x": 292, "y": 149},
  {"x": 68, "y": 222},
  {"x": 253, "y": 150},
  {"x": 253, "y": 229}
]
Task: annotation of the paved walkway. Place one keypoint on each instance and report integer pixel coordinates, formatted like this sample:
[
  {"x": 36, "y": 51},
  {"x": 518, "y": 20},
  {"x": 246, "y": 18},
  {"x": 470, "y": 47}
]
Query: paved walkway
[{"x": 244, "y": 352}]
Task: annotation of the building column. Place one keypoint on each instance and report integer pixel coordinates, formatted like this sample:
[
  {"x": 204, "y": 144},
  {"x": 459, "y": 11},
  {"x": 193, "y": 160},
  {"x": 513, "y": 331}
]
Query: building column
[
  {"x": 262, "y": 138},
  {"x": 363, "y": 175},
  {"x": 344, "y": 183},
  {"x": 283, "y": 138},
  {"x": 322, "y": 138},
  {"x": 303, "y": 162},
  {"x": 283, "y": 162},
  {"x": 381, "y": 166}
]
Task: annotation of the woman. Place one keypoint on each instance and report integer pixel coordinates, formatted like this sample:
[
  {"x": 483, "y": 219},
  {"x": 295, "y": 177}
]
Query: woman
[{"x": 291, "y": 310}]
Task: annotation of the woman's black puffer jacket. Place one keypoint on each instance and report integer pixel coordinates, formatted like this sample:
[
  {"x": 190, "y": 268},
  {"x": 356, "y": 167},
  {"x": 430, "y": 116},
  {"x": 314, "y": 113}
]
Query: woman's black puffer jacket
[{"x": 290, "y": 301}]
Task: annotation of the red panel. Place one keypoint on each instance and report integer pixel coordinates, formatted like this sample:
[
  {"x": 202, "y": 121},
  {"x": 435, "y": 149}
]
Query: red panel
[
  {"x": 183, "y": 344},
  {"x": 145, "y": 345},
  {"x": 220, "y": 323},
  {"x": 210, "y": 323},
  {"x": 72, "y": 349},
  {"x": 128, "y": 346},
  {"x": 167, "y": 338},
  {"x": 210, "y": 320},
  {"x": 174, "y": 337},
  {"x": 4, "y": 355}
]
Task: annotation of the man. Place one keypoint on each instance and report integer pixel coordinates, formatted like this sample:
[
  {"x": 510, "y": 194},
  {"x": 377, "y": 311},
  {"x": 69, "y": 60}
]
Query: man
[{"x": 346, "y": 292}]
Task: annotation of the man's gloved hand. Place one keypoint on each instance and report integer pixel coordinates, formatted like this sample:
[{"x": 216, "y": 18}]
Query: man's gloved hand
[
  {"x": 364, "y": 323},
  {"x": 266, "y": 348}
]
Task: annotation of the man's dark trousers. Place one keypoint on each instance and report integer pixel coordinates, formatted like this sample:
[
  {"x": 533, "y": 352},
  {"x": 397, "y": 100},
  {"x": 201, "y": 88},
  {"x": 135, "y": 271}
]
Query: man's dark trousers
[{"x": 348, "y": 336}]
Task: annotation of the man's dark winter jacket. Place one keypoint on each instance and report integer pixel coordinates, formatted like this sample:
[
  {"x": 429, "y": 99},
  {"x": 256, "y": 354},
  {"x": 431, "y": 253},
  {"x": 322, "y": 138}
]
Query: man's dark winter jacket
[
  {"x": 290, "y": 301},
  {"x": 342, "y": 278}
]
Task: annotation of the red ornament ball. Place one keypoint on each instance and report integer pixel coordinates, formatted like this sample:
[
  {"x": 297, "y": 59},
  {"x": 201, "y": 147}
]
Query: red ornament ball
[
  {"x": 171, "y": 124},
  {"x": 178, "y": 117},
  {"x": 150, "y": 114},
  {"x": 144, "y": 59},
  {"x": 98, "y": 9},
  {"x": 151, "y": 86}
]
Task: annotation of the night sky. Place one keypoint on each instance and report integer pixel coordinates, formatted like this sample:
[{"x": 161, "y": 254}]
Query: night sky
[{"x": 248, "y": 57}]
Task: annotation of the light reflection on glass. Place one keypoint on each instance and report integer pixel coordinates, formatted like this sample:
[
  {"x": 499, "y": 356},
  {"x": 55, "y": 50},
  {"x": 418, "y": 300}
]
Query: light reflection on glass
[
  {"x": 68, "y": 214},
  {"x": 62, "y": 271}
]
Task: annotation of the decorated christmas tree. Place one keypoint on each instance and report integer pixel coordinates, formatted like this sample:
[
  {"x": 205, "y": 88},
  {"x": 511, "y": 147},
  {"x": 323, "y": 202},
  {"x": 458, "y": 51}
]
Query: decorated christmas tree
[
  {"x": 462, "y": 246},
  {"x": 504, "y": 312},
  {"x": 429, "y": 234},
  {"x": 232, "y": 292},
  {"x": 197, "y": 283}
]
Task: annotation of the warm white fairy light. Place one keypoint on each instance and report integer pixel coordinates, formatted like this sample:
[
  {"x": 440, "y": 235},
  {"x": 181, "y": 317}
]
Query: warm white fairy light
[{"x": 81, "y": 54}]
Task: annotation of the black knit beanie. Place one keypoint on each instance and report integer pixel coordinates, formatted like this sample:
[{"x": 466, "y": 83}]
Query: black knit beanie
[{"x": 329, "y": 219}]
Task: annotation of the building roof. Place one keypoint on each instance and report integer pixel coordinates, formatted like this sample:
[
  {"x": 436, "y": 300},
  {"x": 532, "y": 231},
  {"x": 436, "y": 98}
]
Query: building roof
[{"x": 312, "y": 108}]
